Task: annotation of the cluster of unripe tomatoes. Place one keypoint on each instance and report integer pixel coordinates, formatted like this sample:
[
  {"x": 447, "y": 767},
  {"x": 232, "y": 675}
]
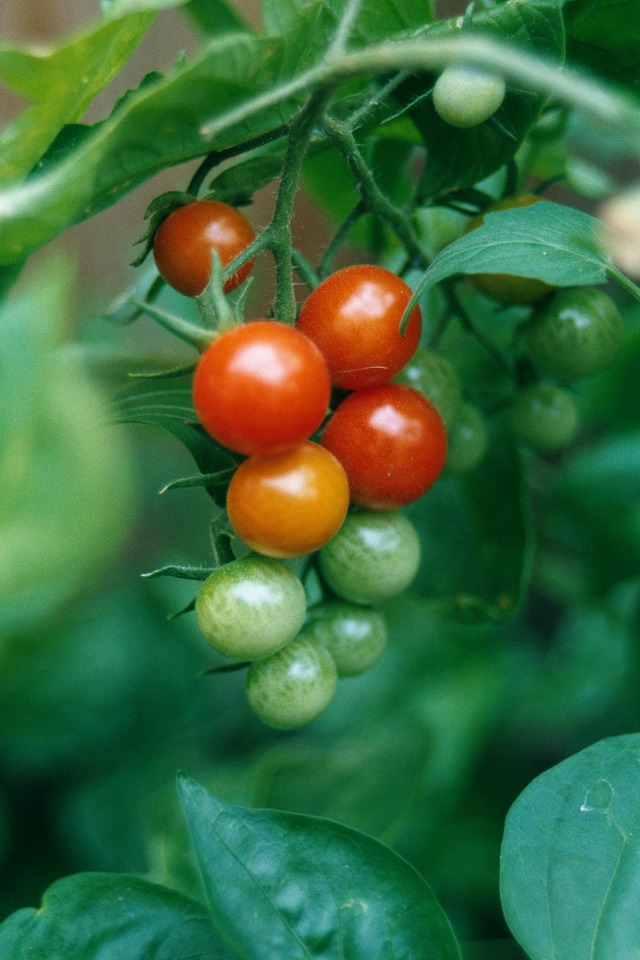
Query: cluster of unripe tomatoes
[{"x": 341, "y": 420}]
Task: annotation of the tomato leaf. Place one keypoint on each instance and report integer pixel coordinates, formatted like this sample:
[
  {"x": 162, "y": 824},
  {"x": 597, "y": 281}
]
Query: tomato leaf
[
  {"x": 60, "y": 84},
  {"x": 545, "y": 240},
  {"x": 604, "y": 37},
  {"x": 215, "y": 17},
  {"x": 311, "y": 887},
  {"x": 94, "y": 915},
  {"x": 570, "y": 865}
]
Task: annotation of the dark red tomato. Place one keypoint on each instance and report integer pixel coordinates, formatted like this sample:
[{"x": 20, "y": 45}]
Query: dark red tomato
[
  {"x": 184, "y": 241},
  {"x": 391, "y": 442},
  {"x": 288, "y": 504},
  {"x": 354, "y": 317},
  {"x": 261, "y": 387}
]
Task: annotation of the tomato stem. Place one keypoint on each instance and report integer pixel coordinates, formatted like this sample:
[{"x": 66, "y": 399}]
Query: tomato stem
[{"x": 191, "y": 333}]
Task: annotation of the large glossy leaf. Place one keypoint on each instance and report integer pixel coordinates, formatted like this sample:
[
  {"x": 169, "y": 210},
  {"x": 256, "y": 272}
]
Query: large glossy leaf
[
  {"x": 96, "y": 916},
  {"x": 64, "y": 476},
  {"x": 311, "y": 887},
  {"x": 545, "y": 240},
  {"x": 570, "y": 869},
  {"x": 460, "y": 158},
  {"x": 605, "y": 37},
  {"x": 60, "y": 84}
]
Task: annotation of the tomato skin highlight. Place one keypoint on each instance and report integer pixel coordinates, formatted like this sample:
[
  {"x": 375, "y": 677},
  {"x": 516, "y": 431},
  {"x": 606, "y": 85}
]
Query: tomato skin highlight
[
  {"x": 354, "y": 317},
  {"x": 288, "y": 504},
  {"x": 261, "y": 388},
  {"x": 391, "y": 442},
  {"x": 183, "y": 243}
]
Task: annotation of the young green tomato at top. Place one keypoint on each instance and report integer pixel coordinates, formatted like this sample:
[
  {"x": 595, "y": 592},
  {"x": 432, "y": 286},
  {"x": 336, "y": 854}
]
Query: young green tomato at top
[
  {"x": 354, "y": 317},
  {"x": 466, "y": 96},
  {"x": 261, "y": 388},
  {"x": 391, "y": 442},
  {"x": 185, "y": 239}
]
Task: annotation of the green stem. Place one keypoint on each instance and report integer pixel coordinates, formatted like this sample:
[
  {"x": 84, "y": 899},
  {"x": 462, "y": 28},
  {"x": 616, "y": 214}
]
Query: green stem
[
  {"x": 304, "y": 269},
  {"x": 326, "y": 264},
  {"x": 280, "y": 228},
  {"x": 624, "y": 282},
  {"x": 373, "y": 199},
  {"x": 191, "y": 333}
]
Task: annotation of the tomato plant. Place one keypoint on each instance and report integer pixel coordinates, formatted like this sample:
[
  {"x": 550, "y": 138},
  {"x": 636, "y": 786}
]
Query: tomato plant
[
  {"x": 391, "y": 442},
  {"x": 184, "y": 241},
  {"x": 354, "y": 316},
  {"x": 261, "y": 388},
  {"x": 401, "y": 661},
  {"x": 290, "y": 503}
]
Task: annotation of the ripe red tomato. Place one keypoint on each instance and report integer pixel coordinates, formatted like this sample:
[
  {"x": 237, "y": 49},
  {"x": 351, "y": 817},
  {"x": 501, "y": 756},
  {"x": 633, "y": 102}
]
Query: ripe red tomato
[
  {"x": 184, "y": 241},
  {"x": 288, "y": 504},
  {"x": 391, "y": 442},
  {"x": 354, "y": 317},
  {"x": 261, "y": 387}
]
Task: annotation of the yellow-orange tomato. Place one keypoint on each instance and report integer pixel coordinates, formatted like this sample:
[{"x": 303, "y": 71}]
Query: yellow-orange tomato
[
  {"x": 290, "y": 503},
  {"x": 504, "y": 287}
]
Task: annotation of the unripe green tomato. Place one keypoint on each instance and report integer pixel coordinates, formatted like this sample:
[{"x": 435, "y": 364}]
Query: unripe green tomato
[
  {"x": 292, "y": 687},
  {"x": 374, "y": 555},
  {"x": 544, "y": 417},
  {"x": 251, "y": 607},
  {"x": 465, "y": 96},
  {"x": 576, "y": 335},
  {"x": 468, "y": 439},
  {"x": 433, "y": 375},
  {"x": 356, "y": 637}
]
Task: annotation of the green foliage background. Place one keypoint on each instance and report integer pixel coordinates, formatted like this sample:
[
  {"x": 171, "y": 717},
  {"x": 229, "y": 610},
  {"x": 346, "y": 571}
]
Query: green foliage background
[{"x": 517, "y": 645}]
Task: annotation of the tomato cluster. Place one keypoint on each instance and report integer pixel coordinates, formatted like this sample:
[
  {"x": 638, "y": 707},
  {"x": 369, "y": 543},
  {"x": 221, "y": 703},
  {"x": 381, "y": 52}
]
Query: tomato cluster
[
  {"x": 332, "y": 448},
  {"x": 337, "y": 423}
]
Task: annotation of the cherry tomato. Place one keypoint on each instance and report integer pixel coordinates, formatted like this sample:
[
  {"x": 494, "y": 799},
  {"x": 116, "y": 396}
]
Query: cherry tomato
[
  {"x": 465, "y": 96},
  {"x": 184, "y": 241},
  {"x": 374, "y": 555},
  {"x": 288, "y": 504},
  {"x": 293, "y": 686},
  {"x": 544, "y": 417},
  {"x": 576, "y": 335},
  {"x": 468, "y": 440},
  {"x": 355, "y": 636},
  {"x": 433, "y": 375},
  {"x": 354, "y": 317},
  {"x": 250, "y": 608},
  {"x": 391, "y": 442},
  {"x": 504, "y": 287},
  {"x": 261, "y": 388}
]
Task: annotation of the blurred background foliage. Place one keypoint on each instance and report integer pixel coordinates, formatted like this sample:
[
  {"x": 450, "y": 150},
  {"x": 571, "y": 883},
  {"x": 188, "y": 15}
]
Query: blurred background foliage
[{"x": 101, "y": 696}]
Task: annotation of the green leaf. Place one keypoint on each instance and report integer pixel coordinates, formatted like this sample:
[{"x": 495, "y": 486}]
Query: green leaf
[
  {"x": 92, "y": 916},
  {"x": 604, "y": 37},
  {"x": 66, "y": 493},
  {"x": 545, "y": 240},
  {"x": 477, "y": 559},
  {"x": 60, "y": 84},
  {"x": 215, "y": 17},
  {"x": 113, "y": 157},
  {"x": 570, "y": 865},
  {"x": 375, "y": 21},
  {"x": 151, "y": 402},
  {"x": 460, "y": 158},
  {"x": 311, "y": 887}
]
